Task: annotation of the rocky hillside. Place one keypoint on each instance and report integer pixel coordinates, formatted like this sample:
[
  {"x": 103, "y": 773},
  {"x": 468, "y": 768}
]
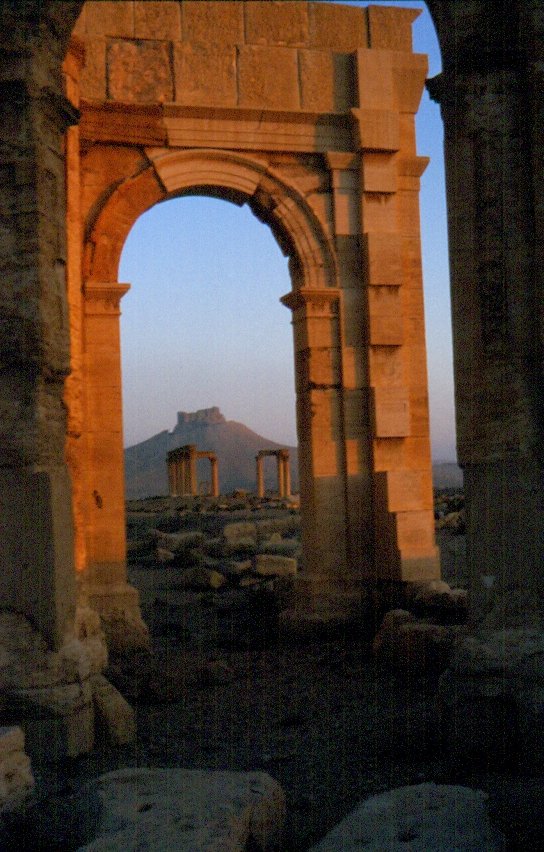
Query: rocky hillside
[{"x": 236, "y": 447}]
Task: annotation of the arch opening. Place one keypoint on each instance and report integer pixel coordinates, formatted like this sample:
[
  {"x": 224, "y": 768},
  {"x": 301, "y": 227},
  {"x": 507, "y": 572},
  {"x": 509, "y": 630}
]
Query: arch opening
[{"x": 203, "y": 328}]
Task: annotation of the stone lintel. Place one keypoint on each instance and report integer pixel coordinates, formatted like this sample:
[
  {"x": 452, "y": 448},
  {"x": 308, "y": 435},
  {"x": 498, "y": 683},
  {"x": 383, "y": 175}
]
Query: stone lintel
[
  {"x": 103, "y": 298},
  {"x": 216, "y": 127}
]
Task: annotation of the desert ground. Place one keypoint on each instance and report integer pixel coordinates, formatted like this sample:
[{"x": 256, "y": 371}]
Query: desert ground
[{"x": 226, "y": 688}]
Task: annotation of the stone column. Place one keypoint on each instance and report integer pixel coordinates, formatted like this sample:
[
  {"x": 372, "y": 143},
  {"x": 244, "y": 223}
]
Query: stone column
[
  {"x": 106, "y": 573},
  {"x": 491, "y": 107},
  {"x": 179, "y": 476},
  {"x": 172, "y": 478},
  {"x": 260, "y": 476},
  {"x": 189, "y": 470},
  {"x": 215, "y": 476},
  {"x": 36, "y": 527},
  {"x": 318, "y": 382},
  {"x": 286, "y": 473},
  {"x": 281, "y": 474}
]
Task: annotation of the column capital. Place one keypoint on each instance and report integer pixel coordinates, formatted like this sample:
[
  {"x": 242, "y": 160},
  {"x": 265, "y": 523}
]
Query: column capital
[
  {"x": 317, "y": 300},
  {"x": 103, "y": 298},
  {"x": 343, "y": 160}
]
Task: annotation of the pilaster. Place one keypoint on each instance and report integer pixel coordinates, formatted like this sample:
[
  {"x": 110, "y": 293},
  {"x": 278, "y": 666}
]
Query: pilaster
[{"x": 105, "y": 575}]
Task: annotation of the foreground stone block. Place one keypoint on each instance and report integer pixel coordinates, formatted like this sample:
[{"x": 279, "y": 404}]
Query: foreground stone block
[
  {"x": 270, "y": 565},
  {"x": 492, "y": 699},
  {"x": 412, "y": 646},
  {"x": 426, "y": 818},
  {"x": 112, "y": 712},
  {"x": 16, "y": 780},
  {"x": 186, "y": 810}
]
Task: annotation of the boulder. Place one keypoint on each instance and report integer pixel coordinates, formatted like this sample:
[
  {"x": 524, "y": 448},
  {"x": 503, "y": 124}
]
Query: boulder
[
  {"x": 200, "y": 577},
  {"x": 272, "y": 565},
  {"x": 185, "y": 810},
  {"x": 113, "y": 714},
  {"x": 423, "y": 818},
  {"x": 440, "y": 602},
  {"x": 411, "y": 645},
  {"x": 243, "y": 532},
  {"x": 16, "y": 780},
  {"x": 492, "y": 700}
]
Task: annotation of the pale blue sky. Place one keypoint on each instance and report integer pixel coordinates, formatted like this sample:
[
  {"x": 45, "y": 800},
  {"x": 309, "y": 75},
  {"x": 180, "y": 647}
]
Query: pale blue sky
[{"x": 203, "y": 325}]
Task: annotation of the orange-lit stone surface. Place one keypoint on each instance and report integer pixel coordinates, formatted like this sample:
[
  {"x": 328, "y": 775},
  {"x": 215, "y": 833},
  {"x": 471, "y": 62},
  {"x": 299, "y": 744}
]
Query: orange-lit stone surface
[{"x": 306, "y": 111}]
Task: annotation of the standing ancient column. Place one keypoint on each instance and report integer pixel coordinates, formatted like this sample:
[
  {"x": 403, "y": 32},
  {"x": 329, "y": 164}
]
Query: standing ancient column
[
  {"x": 189, "y": 461},
  {"x": 260, "y": 476},
  {"x": 281, "y": 474},
  {"x": 37, "y": 553},
  {"x": 286, "y": 473},
  {"x": 490, "y": 94},
  {"x": 106, "y": 573},
  {"x": 215, "y": 476}
]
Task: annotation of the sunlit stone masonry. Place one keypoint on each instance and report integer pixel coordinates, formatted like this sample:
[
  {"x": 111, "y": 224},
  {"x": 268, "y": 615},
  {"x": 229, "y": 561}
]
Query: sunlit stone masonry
[{"x": 305, "y": 112}]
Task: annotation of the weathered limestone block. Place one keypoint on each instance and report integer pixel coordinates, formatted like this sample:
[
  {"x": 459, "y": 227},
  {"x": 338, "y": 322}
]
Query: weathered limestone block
[
  {"x": 341, "y": 30},
  {"x": 430, "y": 817},
  {"x": 209, "y": 22},
  {"x": 277, "y": 23},
  {"x": 112, "y": 712},
  {"x": 205, "y": 75},
  {"x": 16, "y": 779},
  {"x": 187, "y": 810},
  {"x": 157, "y": 20},
  {"x": 268, "y": 565},
  {"x": 200, "y": 577},
  {"x": 284, "y": 526},
  {"x": 58, "y": 720},
  {"x": 268, "y": 77},
  {"x": 493, "y": 699},
  {"x": 140, "y": 71},
  {"x": 240, "y": 533},
  {"x": 413, "y": 646},
  {"x": 26, "y": 662},
  {"x": 439, "y": 601}
]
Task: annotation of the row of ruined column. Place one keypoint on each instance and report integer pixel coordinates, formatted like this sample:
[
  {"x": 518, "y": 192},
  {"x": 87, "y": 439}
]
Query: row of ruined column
[{"x": 182, "y": 471}]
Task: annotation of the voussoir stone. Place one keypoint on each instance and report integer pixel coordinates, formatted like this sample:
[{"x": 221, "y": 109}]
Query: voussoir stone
[
  {"x": 187, "y": 810},
  {"x": 422, "y": 818}
]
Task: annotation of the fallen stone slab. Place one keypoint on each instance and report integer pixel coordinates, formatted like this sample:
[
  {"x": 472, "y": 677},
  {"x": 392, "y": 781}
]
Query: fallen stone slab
[
  {"x": 112, "y": 712},
  {"x": 413, "y": 646},
  {"x": 186, "y": 810},
  {"x": 269, "y": 565},
  {"x": 423, "y": 818},
  {"x": 492, "y": 700}
]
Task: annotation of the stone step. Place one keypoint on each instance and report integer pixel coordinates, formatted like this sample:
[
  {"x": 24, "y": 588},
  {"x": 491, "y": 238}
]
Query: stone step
[
  {"x": 422, "y": 818},
  {"x": 185, "y": 810}
]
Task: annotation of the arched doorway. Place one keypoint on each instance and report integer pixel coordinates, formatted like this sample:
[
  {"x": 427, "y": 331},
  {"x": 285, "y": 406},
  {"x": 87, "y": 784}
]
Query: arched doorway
[{"x": 334, "y": 174}]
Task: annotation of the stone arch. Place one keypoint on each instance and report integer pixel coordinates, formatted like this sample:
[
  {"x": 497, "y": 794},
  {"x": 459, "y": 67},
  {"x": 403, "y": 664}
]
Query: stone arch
[{"x": 230, "y": 175}]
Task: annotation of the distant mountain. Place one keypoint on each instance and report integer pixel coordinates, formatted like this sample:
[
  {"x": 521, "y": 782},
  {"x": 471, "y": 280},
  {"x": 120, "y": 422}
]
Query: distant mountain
[
  {"x": 447, "y": 475},
  {"x": 235, "y": 445}
]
